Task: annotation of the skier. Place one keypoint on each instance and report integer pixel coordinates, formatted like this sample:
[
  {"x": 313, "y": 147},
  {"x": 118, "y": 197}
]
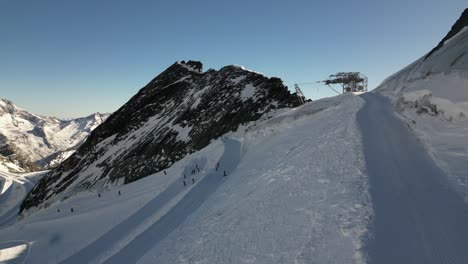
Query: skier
[
  {"x": 71, "y": 209},
  {"x": 58, "y": 210},
  {"x": 99, "y": 195},
  {"x": 225, "y": 173},
  {"x": 119, "y": 193},
  {"x": 198, "y": 170},
  {"x": 165, "y": 172},
  {"x": 184, "y": 183},
  {"x": 193, "y": 180}
]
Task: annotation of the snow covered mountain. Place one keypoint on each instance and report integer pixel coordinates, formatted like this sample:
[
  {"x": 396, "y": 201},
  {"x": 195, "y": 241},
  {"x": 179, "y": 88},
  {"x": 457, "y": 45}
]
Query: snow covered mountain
[
  {"x": 32, "y": 142},
  {"x": 179, "y": 112},
  {"x": 338, "y": 180},
  {"x": 431, "y": 94}
]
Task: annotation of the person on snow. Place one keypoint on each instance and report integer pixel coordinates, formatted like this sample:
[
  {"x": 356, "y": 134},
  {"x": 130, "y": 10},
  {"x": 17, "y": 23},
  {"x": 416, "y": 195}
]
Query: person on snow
[
  {"x": 184, "y": 183},
  {"x": 193, "y": 180}
]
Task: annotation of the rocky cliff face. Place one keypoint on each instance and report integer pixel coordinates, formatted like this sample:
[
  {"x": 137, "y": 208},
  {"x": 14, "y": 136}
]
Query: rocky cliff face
[
  {"x": 179, "y": 112},
  {"x": 461, "y": 23},
  {"x": 30, "y": 140}
]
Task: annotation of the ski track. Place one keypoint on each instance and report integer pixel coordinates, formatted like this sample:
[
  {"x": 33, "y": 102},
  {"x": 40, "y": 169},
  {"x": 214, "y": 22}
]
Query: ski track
[
  {"x": 419, "y": 218},
  {"x": 143, "y": 242}
]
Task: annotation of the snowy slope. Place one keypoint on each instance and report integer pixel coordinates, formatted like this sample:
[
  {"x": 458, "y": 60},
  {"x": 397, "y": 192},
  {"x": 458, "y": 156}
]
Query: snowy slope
[
  {"x": 295, "y": 192},
  {"x": 7, "y": 165},
  {"x": 33, "y": 141},
  {"x": 13, "y": 189},
  {"x": 179, "y": 112},
  {"x": 431, "y": 94}
]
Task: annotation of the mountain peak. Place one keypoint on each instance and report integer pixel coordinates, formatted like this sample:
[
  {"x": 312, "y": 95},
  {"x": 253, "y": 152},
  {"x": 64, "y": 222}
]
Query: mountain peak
[
  {"x": 461, "y": 23},
  {"x": 179, "y": 112},
  {"x": 7, "y": 106},
  {"x": 193, "y": 66}
]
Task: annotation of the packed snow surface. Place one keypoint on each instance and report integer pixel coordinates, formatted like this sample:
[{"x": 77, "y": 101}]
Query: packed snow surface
[
  {"x": 294, "y": 192},
  {"x": 419, "y": 218},
  {"x": 432, "y": 97}
]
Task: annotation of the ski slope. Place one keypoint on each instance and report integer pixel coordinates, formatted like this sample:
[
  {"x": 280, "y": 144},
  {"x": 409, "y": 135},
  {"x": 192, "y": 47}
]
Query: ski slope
[
  {"x": 166, "y": 224},
  {"x": 295, "y": 191},
  {"x": 13, "y": 188},
  {"x": 431, "y": 96},
  {"x": 419, "y": 217}
]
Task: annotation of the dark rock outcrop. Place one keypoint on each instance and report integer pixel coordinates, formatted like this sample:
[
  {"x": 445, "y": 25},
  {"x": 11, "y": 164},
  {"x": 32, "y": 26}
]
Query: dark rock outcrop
[
  {"x": 457, "y": 27},
  {"x": 179, "y": 112}
]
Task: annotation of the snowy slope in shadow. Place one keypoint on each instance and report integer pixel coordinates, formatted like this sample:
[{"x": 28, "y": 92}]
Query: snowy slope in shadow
[{"x": 298, "y": 194}]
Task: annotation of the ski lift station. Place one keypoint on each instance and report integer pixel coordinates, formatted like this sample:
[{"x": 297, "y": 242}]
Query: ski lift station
[{"x": 349, "y": 82}]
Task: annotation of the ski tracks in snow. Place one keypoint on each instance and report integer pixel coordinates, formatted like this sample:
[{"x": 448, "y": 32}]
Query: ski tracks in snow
[
  {"x": 124, "y": 244},
  {"x": 419, "y": 218}
]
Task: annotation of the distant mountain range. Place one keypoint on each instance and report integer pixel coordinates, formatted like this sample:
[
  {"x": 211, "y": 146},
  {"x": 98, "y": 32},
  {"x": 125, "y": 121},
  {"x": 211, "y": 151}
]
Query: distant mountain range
[{"x": 30, "y": 142}]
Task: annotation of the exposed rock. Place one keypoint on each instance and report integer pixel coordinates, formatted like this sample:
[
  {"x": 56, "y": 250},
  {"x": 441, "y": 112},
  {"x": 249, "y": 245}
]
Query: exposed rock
[{"x": 179, "y": 112}]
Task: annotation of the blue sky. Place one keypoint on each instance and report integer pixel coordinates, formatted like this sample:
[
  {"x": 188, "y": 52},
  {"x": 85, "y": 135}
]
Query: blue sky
[{"x": 73, "y": 58}]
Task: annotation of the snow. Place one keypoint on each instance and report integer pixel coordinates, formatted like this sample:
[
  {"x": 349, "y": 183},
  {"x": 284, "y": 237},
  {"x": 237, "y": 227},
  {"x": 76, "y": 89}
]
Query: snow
[
  {"x": 439, "y": 82},
  {"x": 461, "y": 32},
  {"x": 248, "y": 92},
  {"x": 37, "y": 137},
  {"x": 13, "y": 252},
  {"x": 197, "y": 96},
  {"x": 182, "y": 132},
  {"x": 7, "y": 166},
  {"x": 14, "y": 187},
  {"x": 295, "y": 192},
  {"x": 189, "y": 67},
  {"x": 419, "y": 218},
  {"x": 62, "y": 156},
  {"x": 238, "y": 79},
  {"x": 245, "y": 69}
]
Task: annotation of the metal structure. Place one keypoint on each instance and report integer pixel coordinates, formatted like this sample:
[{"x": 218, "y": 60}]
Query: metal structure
[
  {"x": 349, "y": 81},
  {"x": 299, "y": 94}
]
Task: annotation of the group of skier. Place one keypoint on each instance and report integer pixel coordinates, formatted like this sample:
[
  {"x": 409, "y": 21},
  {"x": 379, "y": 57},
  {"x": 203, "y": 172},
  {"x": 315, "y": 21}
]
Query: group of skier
[
  {"x": 194, "y": 172},
  {"x": 99, "y": 195},
  {"x": 197, "y": 170}
]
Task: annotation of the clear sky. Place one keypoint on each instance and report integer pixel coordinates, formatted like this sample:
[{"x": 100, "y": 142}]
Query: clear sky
[{"x": 72, "y": 58}]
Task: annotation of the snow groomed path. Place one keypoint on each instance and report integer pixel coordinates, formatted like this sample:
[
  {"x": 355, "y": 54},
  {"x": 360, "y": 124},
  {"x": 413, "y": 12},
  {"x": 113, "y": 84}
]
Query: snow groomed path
[
  {"x": 138, "y": 246},
  {"x": 419, "y": 218}
]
